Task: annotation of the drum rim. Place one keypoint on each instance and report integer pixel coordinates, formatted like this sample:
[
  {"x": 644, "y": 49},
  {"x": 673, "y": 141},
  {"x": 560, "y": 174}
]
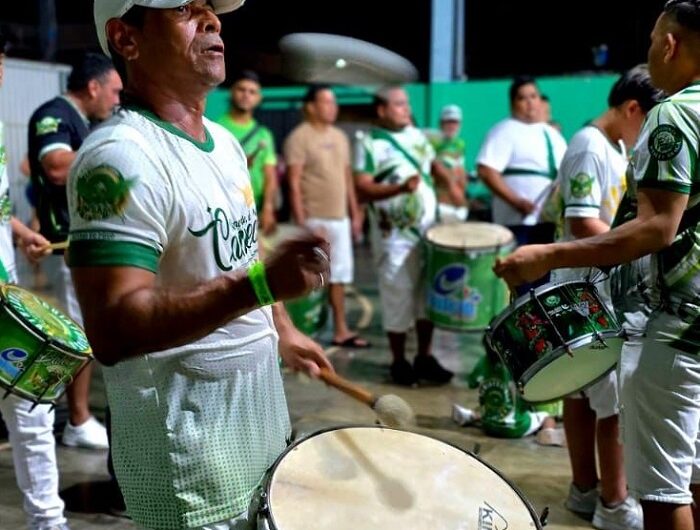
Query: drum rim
[
  {"x": 558, "y": 352},
  {"x": 35, "y": 329},
  {"x": 265, "y": 509},
  {"x": 524, "y": 298}
]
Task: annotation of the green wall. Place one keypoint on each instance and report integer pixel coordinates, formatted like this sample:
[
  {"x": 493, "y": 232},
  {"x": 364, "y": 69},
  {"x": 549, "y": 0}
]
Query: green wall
[{"x": 574, "y": 101}]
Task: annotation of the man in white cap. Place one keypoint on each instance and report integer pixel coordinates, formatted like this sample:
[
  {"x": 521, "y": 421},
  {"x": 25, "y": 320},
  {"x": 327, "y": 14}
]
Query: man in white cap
[
  {"x": 164, "y": 255},
  {"x": 450, "y": 153}
]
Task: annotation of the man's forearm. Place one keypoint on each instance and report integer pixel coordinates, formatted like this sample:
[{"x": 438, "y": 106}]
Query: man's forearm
[
  {"x": 494, "y": 181},
  {"x": 270, "y": 195},
  {"x": 150, "y": 319}
]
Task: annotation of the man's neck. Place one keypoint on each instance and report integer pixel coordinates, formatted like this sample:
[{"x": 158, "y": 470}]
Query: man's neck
[
  {"x": 241, "y": 117},
  {"x": 318, "y": 125},
  {"x": 605, "y": 123},
  {"x": 184, "y": 111},
  {"x": 78, "y": 101}
]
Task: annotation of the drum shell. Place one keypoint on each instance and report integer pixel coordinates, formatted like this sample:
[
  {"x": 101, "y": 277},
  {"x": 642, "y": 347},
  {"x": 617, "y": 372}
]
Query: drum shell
[
  {"x": 537, "y": 331},
  {"x": 471, "y": 303},
  {"x": 343, "y": 451},
  {"x": 31, "y": 366}
]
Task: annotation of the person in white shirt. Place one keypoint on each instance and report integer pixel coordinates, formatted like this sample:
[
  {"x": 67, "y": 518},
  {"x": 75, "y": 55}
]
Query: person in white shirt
[
  {"x": 592, "y": 183},
  {"x": 518, "y": 161},
  {"x": 177, "y": 304}
]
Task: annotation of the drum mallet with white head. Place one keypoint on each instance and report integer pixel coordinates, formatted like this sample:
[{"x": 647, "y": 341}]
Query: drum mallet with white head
[{"x": 391, "y": 410}]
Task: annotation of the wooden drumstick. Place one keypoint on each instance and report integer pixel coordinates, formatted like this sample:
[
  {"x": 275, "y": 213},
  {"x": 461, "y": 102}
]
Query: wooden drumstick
[
  {"x": 61, "y": 245},
  {"x": 391, "y": 410}
]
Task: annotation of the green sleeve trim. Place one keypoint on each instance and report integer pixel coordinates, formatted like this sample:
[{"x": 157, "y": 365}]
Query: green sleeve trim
[
  {"x": 665, "y": 185},
  {"x": 582, "y": 205},
  {"x": 112, "y": 254}
]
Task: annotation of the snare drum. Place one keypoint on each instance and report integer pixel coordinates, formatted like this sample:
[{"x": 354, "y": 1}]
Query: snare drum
[
  {"x": 463, "y": 292},
  {"x": 376, "y": 478},
  {"x": 557, "y": 340},
  {"x": 41, "y": 349},
  {"x": 308, "y": 313}
]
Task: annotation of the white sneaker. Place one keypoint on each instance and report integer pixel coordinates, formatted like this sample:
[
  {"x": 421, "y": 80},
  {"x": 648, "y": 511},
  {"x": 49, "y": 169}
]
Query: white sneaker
[
  {"x": 625, "y": 516},
  {"x": 89, "y": 435},
  {"x": 582, "y": 503},
  {"x": 462, "y": 416}
]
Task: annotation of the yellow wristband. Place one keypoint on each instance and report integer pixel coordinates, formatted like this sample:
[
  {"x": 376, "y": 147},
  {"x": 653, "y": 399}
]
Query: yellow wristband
[{"x": 258, "y": 279}]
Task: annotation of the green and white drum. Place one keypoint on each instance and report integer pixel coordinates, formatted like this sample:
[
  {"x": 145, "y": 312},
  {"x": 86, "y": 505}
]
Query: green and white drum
[
  {"x": 309, "y": 313},
  {"x": 463, "y": 292},
  {"x": 556, "y": 340},
  {"x": 41, "y": 349}
]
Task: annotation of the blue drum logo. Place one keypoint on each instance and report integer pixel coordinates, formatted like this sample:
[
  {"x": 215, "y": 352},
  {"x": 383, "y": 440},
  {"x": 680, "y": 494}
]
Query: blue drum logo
[
  {"x": 451, "y": 295},
  {"x": 12, "y": 361}
]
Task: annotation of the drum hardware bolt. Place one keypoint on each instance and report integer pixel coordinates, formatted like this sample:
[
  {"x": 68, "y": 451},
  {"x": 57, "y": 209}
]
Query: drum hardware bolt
[
  {"x": 264, "y": 506},
  {"x": 476, "y": 449},
  {"x": 544, "y": 516},
  {"x": 521, "y": 387},
  {"x": 569, "y": 352}
]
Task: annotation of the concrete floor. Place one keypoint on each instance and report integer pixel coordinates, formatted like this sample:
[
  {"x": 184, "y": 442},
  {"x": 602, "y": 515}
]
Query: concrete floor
[{"x": 542, "y": 473}]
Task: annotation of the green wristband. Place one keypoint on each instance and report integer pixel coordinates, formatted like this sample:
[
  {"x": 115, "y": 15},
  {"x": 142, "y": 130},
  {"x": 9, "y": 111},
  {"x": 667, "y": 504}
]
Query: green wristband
[{"x": 256, "y": 275}]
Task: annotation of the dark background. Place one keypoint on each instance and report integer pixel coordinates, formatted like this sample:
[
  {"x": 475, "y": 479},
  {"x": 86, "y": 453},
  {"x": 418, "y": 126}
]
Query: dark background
[{"x": 502, "y": 37}]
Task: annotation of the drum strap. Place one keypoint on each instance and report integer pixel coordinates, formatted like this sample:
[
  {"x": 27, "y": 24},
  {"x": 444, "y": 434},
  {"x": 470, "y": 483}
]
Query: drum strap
[
  {"x": 383, "y": 135},
  {"x": 550, "y": 172}
]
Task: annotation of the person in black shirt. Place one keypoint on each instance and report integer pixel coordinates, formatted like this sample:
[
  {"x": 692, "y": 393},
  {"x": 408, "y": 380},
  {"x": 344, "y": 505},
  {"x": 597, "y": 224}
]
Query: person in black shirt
[{"x": 56, "y": 131}]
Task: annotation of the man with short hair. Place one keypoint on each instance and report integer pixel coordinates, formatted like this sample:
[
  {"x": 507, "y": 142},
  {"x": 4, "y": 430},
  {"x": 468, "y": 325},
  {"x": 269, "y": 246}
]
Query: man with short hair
[
  {"x": 591, "y": 180},
  {"x": 177, "y": 306},
  {"x": 257, "y": 142},
  {"x": 322, "y": 196},
  {"x": 56, "y": 131},
  {"x": 659, "y": 371},
  {"x": 450, "y": 152},
  {"x": 393, "y": 166}
]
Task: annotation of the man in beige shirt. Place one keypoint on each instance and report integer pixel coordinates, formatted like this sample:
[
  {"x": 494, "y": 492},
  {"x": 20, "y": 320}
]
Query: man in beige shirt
[{"x": 322, "y": 195}]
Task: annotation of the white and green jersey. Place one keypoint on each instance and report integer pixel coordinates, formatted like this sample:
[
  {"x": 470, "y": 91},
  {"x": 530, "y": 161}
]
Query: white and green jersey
[
  {"x": 392, "y": 158},
  {"x": 7, "y": 253},
  {"x": 591, "y": 182},
  {"x": 666, "y": 158},
  {"x": 195, "y": 427}
]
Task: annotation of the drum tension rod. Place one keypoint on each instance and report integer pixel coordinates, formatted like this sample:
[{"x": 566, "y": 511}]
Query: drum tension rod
[
  {"x": 568, "y": 350},
  {"x": 544, "y": 516}
]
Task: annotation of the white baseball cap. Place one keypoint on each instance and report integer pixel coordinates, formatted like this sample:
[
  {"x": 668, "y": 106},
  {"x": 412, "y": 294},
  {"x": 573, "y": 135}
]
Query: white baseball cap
[
  {"x": 108, "y": 9},
  {"x": 451, "y": 113}
]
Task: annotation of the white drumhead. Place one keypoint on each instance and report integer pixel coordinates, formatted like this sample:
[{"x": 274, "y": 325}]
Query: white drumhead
[
  {"x": 376, "y": 479},
  {"x": 468, "y": 235},
  {"x": 568, "y": 374}
]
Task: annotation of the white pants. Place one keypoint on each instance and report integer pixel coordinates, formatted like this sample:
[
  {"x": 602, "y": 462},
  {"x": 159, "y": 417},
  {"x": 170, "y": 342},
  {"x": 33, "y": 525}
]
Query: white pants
[
  {"x": 452, "y": 214},
  {"x": 339, "y": 234},
  {"x": 34, "y": 457},
  {"x": 401, "y": 287},
  {"x": 62, "y": 287},
  {"x": 602, "y": 396}
]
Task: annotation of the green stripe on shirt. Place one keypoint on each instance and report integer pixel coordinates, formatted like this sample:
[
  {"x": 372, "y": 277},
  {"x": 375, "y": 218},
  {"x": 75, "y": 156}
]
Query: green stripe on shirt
[{"x": 95, "y": 253}]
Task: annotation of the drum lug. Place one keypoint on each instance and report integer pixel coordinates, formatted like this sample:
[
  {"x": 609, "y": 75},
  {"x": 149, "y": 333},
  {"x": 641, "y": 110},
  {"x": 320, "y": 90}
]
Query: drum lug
[
  {"x": 476, "y": 449},
  {"x": 264, "y": 508},
  {"x": 521, "y": 387},
  {"x": 544, "y": 516}
]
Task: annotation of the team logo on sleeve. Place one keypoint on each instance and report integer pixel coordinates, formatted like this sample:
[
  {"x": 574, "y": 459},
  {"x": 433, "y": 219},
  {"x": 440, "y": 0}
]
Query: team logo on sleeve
[
  {"x": 102, "y": 192},
  {"x": 581, "y": 185},
  {"x": 47, "y": 125},
  {"x": 665, "y": 142}
]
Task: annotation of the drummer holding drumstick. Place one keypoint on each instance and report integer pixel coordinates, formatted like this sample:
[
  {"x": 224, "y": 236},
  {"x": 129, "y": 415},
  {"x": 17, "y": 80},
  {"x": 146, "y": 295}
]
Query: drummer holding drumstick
[
  {"x": 164, "y": 256},
  {"x": 30, "y": 428},
  {"x": 393, "y": 167},
  {"x": 659, "y": 373}
]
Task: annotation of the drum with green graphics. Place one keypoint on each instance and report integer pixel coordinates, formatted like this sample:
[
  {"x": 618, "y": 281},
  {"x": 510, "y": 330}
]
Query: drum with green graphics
[
  {"x": 558, "y": 339},
  {"x": 463, "y": 292},
  {"x": 41, "y": 349},
  {"x": 309, "y": 312}
]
